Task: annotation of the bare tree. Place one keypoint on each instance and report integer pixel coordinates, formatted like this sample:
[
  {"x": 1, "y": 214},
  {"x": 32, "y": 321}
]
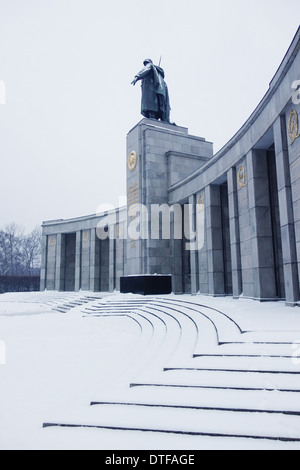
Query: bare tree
[
  {"x": 32, "y": 251},
  {"x": 14, "y": 237},
  {"x": 19, "y": 253},
  {"x": 4, "y": 262}
]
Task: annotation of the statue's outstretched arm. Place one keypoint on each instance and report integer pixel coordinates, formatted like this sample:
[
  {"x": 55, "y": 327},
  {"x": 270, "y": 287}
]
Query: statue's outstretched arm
[
  {"x": 134, "y": 80},
  {"x": 142, "y": 74}
]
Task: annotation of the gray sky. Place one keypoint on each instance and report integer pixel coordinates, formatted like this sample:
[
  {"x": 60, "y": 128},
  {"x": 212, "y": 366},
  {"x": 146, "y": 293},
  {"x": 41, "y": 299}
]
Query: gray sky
[{"x": 68, "y": 64}]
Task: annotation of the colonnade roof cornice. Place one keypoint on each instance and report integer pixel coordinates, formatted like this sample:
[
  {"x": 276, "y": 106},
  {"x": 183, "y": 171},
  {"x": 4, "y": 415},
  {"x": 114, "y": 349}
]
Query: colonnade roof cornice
[{"x": 242, "y": 142}]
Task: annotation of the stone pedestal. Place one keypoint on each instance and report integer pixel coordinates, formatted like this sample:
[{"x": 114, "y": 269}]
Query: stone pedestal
[{"x": 159, "y": 155}]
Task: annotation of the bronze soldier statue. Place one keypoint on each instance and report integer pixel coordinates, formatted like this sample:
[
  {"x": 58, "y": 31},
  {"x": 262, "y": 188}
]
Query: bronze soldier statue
[{"x": 155, "y": 95}]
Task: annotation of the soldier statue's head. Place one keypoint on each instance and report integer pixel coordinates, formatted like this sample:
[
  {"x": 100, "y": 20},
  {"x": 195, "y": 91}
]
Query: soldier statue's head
[{"x": 148, "y": 61}]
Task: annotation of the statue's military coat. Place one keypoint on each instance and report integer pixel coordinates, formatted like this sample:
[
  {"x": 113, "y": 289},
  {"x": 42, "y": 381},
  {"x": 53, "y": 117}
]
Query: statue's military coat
[{"x": 155, "y": 95}]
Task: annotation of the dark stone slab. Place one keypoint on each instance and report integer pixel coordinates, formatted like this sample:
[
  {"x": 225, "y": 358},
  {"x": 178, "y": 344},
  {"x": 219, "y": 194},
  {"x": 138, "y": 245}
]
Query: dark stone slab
[{"x": 146, "y": 285}]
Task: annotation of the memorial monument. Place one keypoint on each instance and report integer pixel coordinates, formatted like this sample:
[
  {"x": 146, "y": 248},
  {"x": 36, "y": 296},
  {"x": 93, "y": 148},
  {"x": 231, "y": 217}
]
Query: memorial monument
[
  {"x": 246, "y": 196},
  {"x": 159, "y": 154}
]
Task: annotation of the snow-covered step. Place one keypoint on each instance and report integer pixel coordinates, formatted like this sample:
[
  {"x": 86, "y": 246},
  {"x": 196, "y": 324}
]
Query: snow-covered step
[
  {"x": 273, "y": 426},
  {"x": 224, "y": 380},
  {"x": 115, "y": 305},
  {"x": 266, "y": 337},
  {"x": 251, "y": 349},
  {"x": 225, "y": 328},
  {"x": 108, "y": 308},
  {"x": 211, "y": 398},
  {"x": 65, "y": 304},
  {"x": 197, "y": 372},
  {"x": 241, "y": 363},
  {"x": 231, "y": 408},
  {"x": 185, "y": 325},
  {"x": 229, "y": 331},
  {"x": 181, "y": 331}
]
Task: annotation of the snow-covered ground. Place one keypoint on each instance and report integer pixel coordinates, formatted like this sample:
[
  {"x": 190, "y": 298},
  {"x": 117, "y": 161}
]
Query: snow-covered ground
[{"x": 226, "y": 363}]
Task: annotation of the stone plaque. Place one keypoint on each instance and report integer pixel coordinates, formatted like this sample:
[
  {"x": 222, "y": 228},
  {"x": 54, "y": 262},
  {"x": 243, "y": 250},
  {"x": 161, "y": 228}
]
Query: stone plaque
[
  {"x": 200, "y": 203},
  {"x": 241, "y": 177},
  {"x": 293, "y": 126},
  {"x": 132, "y": 161}
]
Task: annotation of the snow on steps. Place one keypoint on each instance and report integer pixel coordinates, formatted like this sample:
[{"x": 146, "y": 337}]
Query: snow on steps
[
  {"x": 64, "y": 304},
  {"x": 197, "y": 373}
]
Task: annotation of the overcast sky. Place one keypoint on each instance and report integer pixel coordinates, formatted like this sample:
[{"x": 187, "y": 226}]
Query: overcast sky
[{"x": 68, "y": 64}]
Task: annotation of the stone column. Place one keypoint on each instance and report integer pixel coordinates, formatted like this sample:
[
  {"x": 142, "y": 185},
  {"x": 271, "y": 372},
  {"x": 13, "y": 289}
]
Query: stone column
[
  {"x": 43, "y": 263},
  {"x": 286, "y": 212},
  {"x": 51, "y": 262},
  {"x": 119, "y": 258},
  {"x": 194, "y": 252},
  {"x": 176, "y": 251},
  {"x": 202, "y": 242},
  {"x": 264, "y": 281},
  {"x": 78, "y": 261},
  {"x": 112, "y": 259},
  {"x": 234, "y": 233},
  {"x": 60, "y": 263},
  {"x": 216, "y": 284},
  {"x": 85, "y": 259},
  {"x": 95, "y": 262}
]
